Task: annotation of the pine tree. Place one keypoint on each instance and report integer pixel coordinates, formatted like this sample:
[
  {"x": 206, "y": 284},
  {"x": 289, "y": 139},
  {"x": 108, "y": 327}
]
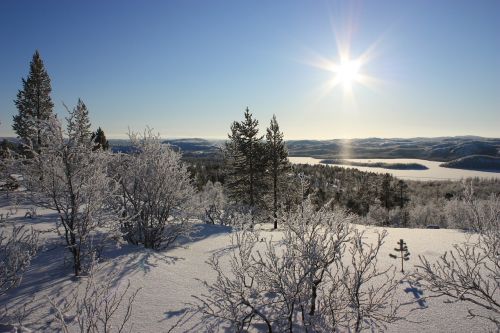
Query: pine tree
[
  {"x": 403, "y": 197},
  {"x": 33, "y": 103},
  {"x": 403, "y": 253},
  {"x": 386, "y": 192},
  {"x": 277, "y": 156},
  {"x": 99, "y": 139},
  {"x": 245, "y": 163}
]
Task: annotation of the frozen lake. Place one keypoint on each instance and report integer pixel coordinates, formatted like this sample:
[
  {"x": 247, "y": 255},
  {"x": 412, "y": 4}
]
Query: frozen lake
[{"x": 434, "y": 171}]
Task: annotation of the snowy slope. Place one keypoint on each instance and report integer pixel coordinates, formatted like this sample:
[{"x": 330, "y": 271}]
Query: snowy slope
[{"x": 168, "y": 279}]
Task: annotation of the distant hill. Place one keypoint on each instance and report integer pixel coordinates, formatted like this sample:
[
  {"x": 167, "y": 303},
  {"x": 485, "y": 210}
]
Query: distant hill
[
  {"x": 475, "y": 162},
  {"x": 443, "y": 149},
  {"x": 193, "y": 147},
  {"x": 437, "y": 149}
]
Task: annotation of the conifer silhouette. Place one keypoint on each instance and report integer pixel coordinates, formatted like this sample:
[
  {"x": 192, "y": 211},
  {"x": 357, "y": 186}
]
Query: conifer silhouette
[{"x": 403, "y": 253}]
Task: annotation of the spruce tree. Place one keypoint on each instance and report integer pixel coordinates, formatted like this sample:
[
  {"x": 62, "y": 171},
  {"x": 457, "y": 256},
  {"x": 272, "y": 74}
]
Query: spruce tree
[
  {"x": 277, "y": 156},
  {"x": 245, "y": 163},
  {"x": 79, "y": 125},
  {"x": 33, "y": 103},
  {"x": 99, "y": 139}
]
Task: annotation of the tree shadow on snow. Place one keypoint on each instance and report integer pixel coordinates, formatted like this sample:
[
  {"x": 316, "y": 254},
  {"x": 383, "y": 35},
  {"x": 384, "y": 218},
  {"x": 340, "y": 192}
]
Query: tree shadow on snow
[
  {"x": 129, "y": 259},
  {"x": 202, "y": 232},
  {"x": 50, "y": 270},
  {"x": 414, "y": 288},
  {"x": 126, "y": 259},
  {"x": 38, "y": 219}
]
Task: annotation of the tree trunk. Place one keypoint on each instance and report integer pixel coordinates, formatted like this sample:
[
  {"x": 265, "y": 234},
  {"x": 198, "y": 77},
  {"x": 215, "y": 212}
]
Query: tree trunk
[{"x": 275, "y": 200}]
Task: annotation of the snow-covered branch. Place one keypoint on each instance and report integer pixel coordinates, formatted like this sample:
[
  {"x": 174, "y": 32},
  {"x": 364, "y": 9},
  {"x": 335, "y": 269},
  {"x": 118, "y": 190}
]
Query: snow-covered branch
[{"x": 155, "y": 191}]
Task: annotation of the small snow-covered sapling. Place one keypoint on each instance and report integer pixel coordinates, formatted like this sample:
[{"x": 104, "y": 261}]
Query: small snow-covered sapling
[{"x": 403, "y": 253}]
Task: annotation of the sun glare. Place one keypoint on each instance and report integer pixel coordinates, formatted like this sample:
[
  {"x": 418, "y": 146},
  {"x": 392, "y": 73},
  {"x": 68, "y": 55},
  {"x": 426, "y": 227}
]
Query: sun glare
[{"x": 348, "y": 72}]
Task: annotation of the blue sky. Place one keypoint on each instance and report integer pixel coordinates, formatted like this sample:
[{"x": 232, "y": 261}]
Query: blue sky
[{"x": 189, "y": 68}]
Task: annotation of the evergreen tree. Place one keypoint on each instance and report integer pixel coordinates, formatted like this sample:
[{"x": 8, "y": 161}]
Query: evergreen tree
[
  {"x": 245, "y": 163},
  {"x": 99, "y": 139},
  {"x": 403, "y": 253},
  {"x": 33, "y": 103},
  {"x": 402, "y": 188},
  {"x": 79, "y": 125},
  {"x": 386, "y": 192},
  {"x": 277, "y": 156}
]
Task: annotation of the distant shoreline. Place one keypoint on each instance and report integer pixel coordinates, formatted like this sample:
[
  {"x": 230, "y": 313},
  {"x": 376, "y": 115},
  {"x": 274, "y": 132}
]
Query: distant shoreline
[
  {"x": 476, "y": 163},
  {"x": 384, "y": 165}
]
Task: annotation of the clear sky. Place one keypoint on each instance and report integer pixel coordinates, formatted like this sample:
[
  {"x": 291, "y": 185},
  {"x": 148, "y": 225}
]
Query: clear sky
[{"x": 189, "y": 68}]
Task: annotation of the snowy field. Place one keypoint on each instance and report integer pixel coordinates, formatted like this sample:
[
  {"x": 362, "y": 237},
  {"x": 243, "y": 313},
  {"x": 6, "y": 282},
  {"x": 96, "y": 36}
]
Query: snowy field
[{"x": 170, "y": 278}]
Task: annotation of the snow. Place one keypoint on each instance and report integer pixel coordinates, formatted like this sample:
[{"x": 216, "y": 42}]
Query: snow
[{"x": 169, "y": 278}]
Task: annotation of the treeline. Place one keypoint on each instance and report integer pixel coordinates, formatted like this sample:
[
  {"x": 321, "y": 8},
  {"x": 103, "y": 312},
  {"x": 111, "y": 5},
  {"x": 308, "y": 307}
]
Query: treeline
[{"x": 380, "y": 199}]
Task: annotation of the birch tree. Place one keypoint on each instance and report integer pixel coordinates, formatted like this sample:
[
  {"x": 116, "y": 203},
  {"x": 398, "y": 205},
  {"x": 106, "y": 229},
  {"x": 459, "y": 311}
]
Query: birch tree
[
  {"x": 303, "y": 282},
  {"x": 67, "y": 176},
  {"x": 155, "y": 192}
]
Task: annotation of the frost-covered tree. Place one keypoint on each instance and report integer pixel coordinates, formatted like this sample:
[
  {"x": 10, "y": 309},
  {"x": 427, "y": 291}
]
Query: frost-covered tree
[
  {"x": 33, "y": 103},
  {"x": 79, "y": 125},
  {"x": 17, "y": 247},
  {"x": 67, "y": 176},
  {"x": 245, "y": 160},
  {"x": 361, "y": 295},
  {"x": 278, "y": 165},
  {"x": 100, "y": 141},
  {"x": 303, "y": 282},
  {"x": 155, "y": 192},
  {"x": 471, "y": 272},
  {"x": 210, "y": 203}
]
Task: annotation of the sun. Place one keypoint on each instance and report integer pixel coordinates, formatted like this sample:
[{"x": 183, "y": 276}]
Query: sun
[{"x": 348, "y": 72}]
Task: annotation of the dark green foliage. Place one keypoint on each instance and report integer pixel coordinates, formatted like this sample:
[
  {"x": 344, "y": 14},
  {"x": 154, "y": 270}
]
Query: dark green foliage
[
  {"x": 33, "y": 103},
  {"x": 278, "y": 165},
  {"x": 402, "y": 189},
  {"x": 205, "y": 169},
  {"x": 385, "y": 192},
  {"x": 403, "y": 253},
  {"x": 348, "y": 188},
  {"x": 99, "y": 139},
  {"x": 245, "y": 161}
]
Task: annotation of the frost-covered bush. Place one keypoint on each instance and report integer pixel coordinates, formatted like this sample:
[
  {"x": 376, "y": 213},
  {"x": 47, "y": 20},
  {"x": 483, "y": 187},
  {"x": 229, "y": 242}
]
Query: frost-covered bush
[
  {"x": 64, "y": 174},
  {"x": 470, "y": 212},
  {"x": 377, "y": 215},
  {"x": 155, "y": 192},
  {"x": 422, "y": 215},
  {"x": 304, "y": 282},
  {"x": 209, "y": 204},
  {"x": 471, "y": 271},
  {"x": 17, "y": 247},
  {"x": 457, "y": 214}
]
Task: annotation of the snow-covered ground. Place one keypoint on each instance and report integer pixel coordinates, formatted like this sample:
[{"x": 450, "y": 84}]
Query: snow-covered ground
[{"x": 168, "y": 279}]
